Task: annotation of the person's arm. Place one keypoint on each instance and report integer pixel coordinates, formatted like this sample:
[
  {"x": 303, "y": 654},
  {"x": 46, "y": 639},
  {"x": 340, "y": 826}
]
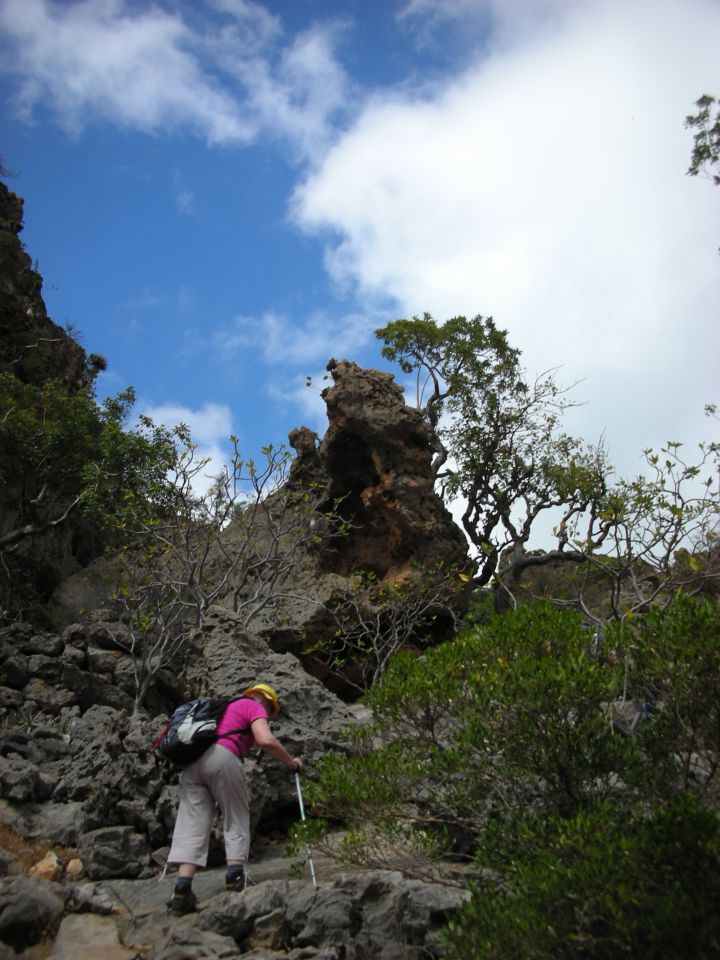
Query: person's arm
[{"x": 265, "y": 739}]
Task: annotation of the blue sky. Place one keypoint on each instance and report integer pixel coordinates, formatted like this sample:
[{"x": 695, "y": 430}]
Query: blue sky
[{"x": 223, "y": 194}]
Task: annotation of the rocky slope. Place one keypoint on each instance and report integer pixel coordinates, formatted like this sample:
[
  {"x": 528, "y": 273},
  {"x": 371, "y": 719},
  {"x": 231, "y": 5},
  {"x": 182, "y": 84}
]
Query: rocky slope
[
  {"x": 86, "y": 813},
  {"x": 77, "y": 778}
]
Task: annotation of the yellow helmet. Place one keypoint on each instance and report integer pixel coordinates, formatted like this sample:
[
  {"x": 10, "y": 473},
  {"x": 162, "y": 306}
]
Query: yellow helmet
[{"x": 273, "y": 701}]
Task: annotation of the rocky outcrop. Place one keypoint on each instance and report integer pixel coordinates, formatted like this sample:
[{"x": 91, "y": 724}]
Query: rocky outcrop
[
  {"x": 31, "y": 345},
  {"x": 362, "y": 915},
  {"x": 375, "y": 459},
  {"x": 373, "y": 470},
  {"x": 374, "y": 465}
]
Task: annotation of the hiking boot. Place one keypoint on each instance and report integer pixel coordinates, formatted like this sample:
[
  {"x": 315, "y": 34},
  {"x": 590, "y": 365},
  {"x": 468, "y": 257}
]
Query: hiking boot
[
  {"x": 236, "y": 881},
  {"x": 183, "y": 901}
]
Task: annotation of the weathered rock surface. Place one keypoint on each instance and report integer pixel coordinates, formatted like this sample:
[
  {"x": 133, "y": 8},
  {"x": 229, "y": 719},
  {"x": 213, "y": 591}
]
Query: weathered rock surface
[
  {"x": 88, "y": 936},
  {"x": 85, "y": 781},
  {"x": 31, "y": 345},
  {"x": 377, "y": 454},
  {"x": 227, "y": 660},
  {"x": 354, "y": 916},
  {"x": 29, "y": 910},
  {"x": 375, "y": 464},
  {"x": 83, "y": 776}
]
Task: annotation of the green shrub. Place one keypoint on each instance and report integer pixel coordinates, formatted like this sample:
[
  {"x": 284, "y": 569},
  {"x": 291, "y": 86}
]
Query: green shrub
[
  {"x": 504, "y": 717},
  {"x": 502, "y": 746},
  {"x": 673, "y": 658},
  {"x": 70, "y": 477},
  {"x": 601, "y": 885}
]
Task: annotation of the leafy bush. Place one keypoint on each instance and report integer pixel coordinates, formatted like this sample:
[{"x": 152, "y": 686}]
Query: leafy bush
[
  {"x": 502, "y": 719},
  {"x": 68, "y": 471},
  {"x": 503, "y": 746},
  {"x": 597, "y": 886},
  {"x": 673, "y": 665}
]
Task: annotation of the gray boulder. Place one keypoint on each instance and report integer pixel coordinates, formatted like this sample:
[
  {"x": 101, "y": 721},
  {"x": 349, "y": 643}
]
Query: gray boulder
[
  {"x": 45, "y": 644},
  {"x": 22, "y": 781},
  {"x": 14, "y": 671},
  {"x": 91, "y": 690},
  {"x": 29, "y": 910},
  {"x": 114, "y": 852},
  {"x": 48, "y": 697},
  {"x": 60, "y": 823}
]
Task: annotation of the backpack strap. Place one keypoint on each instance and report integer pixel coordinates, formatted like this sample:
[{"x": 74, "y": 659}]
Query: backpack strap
[
  {"x": 230, "y": 733},
  {"x": 154, "y": 747}
]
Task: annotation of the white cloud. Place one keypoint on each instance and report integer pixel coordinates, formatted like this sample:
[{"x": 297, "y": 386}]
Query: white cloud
[
  {"x": 304, "y": 396},
  {"x": 255, "y": 19},
  {"x": 546, "y": 186},
  {"x": 210, "y": 429},
  {"x": 285, "y": 340},
  {"x": 210, "y": 425},
  {"x": 162, "y": 70},
  {"x": 184, "y": 197},
  {"x": 293, "y": 97},
  {"x": 95, "y": 60}
]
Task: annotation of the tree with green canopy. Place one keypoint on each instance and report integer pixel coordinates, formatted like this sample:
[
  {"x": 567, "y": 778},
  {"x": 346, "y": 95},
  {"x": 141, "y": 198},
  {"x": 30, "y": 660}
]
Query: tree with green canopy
[{"x": 502, "y": 455}]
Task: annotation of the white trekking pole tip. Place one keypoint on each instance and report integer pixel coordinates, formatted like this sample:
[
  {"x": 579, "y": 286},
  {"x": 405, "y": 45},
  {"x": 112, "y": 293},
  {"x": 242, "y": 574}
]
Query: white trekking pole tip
[{"x": 302, "y": 817}]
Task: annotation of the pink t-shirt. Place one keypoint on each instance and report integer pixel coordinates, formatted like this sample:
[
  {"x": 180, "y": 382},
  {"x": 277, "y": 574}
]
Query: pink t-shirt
[{"x": 239, "y": 714}]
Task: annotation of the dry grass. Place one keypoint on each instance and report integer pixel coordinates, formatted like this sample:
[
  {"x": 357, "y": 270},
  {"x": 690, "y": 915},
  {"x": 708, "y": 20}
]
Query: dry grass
[{"x": 26, "y": 852}]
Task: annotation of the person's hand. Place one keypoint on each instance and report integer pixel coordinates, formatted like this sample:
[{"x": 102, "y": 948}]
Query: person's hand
[{"x": 297, "y": 764}]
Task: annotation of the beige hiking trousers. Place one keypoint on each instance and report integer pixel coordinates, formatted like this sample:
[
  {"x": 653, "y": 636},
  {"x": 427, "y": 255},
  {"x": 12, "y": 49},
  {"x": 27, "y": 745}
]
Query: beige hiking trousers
[{"x": 216, "y": 778}]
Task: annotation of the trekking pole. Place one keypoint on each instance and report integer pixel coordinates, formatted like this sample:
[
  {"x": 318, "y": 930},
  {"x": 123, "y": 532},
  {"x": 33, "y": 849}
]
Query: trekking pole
[{"x": 302, "y": 817}]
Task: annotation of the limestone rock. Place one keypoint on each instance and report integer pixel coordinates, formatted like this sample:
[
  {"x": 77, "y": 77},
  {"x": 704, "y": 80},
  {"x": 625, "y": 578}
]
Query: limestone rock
[
  {"x": 21, "y": 780},
  {"x": 370, "y": 915},
  {"x": 74, "y": 869},
  {"x": 377, "y": 454},
  {"x": 60, "y": 823},
  {"x": 311, "y": 721},
  {"x": 23, "y": 318},
  {"x": 374, "y": 465},
  {"x": 114, "y": 852},
  {"x": 48, "y": 697},
  {"x": 88, "y": 936},
  {"x": 49, "y": 868},
  {"x": 29, "y": 910}
]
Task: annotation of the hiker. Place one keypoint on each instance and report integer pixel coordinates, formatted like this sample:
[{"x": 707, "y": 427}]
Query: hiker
[{"x": 217, "y": 777}]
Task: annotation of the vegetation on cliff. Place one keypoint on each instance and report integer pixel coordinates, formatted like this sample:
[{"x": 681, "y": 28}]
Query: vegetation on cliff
[
  {"x": 69, "y": 472},
  {"x": 502, "y": 455}
]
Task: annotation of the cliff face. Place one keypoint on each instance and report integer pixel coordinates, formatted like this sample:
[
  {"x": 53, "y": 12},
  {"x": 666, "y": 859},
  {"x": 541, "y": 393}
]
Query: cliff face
[
  {"x": 374, "y": 462},
  {"x": 32, "y": 346}
]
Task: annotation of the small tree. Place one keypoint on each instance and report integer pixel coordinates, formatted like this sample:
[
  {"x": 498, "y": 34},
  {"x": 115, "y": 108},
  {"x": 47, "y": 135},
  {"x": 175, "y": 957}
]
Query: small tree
[
  {"x": 500, "y": 450},
  {"x": 375, "y": 619},
  {"x": 236, "y": 541},
  {"x": 705, "y": 158},
  {"x": 502, "y": 454},
  {"x": 648, "y": 538},
  {"x": 68, "y": 468}
]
